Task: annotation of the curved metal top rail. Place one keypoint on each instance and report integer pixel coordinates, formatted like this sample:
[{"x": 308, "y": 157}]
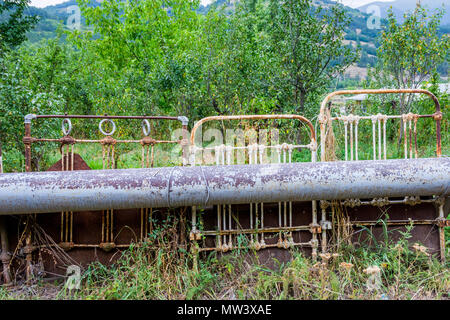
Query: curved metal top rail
[
  {"x": 437, "y": 116},
  {"x": 255, "y": 117},
  {"x": 379, "y": 91}
]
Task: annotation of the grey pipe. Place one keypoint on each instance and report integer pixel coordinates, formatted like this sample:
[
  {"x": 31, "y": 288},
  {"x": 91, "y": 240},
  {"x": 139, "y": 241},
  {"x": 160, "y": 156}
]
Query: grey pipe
[{"x": 195, "y": 186}]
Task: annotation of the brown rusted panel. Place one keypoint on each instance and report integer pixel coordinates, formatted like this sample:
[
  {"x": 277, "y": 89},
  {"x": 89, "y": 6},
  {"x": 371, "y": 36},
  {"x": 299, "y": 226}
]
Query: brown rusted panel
[
  {"x": 426, "y": 235},
  {"x": 421, "y": 211},
  {"x": 127, "y": 226},
  {"x": 86, "y": 232},
  {"x": 301, "y": 217},
  {"x": 424, "y": 231},
  {"x": 78, "y": 163},
  {"x": 87, "y": 227}
]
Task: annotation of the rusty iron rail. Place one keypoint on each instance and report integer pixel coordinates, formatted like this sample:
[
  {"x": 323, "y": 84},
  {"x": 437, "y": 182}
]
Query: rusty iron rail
[
  {"x": 63, "y": 116},
  {"x": 323, "y": 120},
  {"x": 28, "y": 140},
  {"x": 253, "y": 117}
]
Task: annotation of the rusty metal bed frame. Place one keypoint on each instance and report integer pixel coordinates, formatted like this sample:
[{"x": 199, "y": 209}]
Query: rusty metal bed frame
[
  {"x": 67, "y": 143},
  {"x": 379, "y": 143},
  {"x": 225, "y": 229},
  {"x": 225, "y": 233}
]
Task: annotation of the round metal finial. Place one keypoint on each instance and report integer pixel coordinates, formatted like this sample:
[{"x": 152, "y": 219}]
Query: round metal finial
[
  {"x": 146, "y": 129},
  {"x": 112, "y": 130},
  {"x": 67, "y": 131}
]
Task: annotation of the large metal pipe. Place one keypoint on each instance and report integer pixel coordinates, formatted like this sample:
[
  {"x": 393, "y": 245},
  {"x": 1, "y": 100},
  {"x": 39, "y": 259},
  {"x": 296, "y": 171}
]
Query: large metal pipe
[{"x": 195, "y": 186}]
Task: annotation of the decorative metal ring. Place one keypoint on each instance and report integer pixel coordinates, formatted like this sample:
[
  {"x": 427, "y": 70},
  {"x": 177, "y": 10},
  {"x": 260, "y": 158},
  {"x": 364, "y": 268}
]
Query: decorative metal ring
[
  {"x": 107, "y": 133},
  {"x": 146, "y": 129},
  {"x": 63, "y": 126}
]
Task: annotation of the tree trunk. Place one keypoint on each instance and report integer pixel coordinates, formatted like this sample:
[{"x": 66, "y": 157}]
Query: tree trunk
[{"x": 302, "y": 100}]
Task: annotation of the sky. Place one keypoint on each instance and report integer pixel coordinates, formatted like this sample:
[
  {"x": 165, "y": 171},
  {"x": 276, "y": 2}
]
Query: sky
[
  {"x": 45, "y": 3},
  {"x": 359, "y": 3},
  {"x": 350, "y": 3}
]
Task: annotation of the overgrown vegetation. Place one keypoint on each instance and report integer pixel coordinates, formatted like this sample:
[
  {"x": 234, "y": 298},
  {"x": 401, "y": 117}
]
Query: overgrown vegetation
[
  {"x": 410, "y": 53},
  {"x": 390, "y": 270},
  {"x": 261, "y": 57},
  {"x": 14, "y": 24}
]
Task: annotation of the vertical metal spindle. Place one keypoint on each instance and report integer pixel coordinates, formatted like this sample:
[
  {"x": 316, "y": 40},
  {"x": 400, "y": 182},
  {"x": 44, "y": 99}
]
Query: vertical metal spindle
[
  {"x": 410, "y": 139},
  {"x": 345, "y": 133},
  {"x": 373, "y": 139},
  {"x": 384, "y": 138},
  {"x": 379, "y": 137},
  {"x": 219, "y": 229},
  {"x": 416, "y": 152},
  {"x": 356, "y": 138},
  {"x": 404, "y": 118},
  {"x": 351, "y": 140}
]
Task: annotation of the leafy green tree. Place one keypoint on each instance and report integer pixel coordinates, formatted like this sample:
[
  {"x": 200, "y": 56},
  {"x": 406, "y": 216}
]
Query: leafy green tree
[
  {"x": 410, "y": 52},
  {"x": 310, "y": 42},
  {"x": 13, "y": 28},
  {"x": 150, "y": 45},
  {"x": 26, "y": 87},
  {"x": 140, "y": 32},
  {"x": 16, "y": 24},
  {"x": 239, "y": 63},
  {"x": 246, "y": 58}
]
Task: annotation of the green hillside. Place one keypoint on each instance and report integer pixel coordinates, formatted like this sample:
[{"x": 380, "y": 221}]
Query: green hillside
[
  {"x": 54, "y": 17},
  {"x": 53, "y": 20}
]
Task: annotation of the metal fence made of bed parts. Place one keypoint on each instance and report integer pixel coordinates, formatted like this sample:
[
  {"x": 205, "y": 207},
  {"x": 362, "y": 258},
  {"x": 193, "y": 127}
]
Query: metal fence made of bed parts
[
  {"x": 339, "y": 127},
  {"x": 103, "y": 230},
  {"x": 244, "y": 182},
  {"x": 256, "y": 225}
]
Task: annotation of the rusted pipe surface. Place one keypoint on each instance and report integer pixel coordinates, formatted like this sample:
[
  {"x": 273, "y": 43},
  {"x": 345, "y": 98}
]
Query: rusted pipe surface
[{"x": 40, "y": 192}]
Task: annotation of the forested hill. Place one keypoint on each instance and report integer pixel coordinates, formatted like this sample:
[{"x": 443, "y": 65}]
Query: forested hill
[
  {"x": 359, "y": 32},
  {"x": 400, "y": 6},
  {"x": 53, "y": 16}
]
